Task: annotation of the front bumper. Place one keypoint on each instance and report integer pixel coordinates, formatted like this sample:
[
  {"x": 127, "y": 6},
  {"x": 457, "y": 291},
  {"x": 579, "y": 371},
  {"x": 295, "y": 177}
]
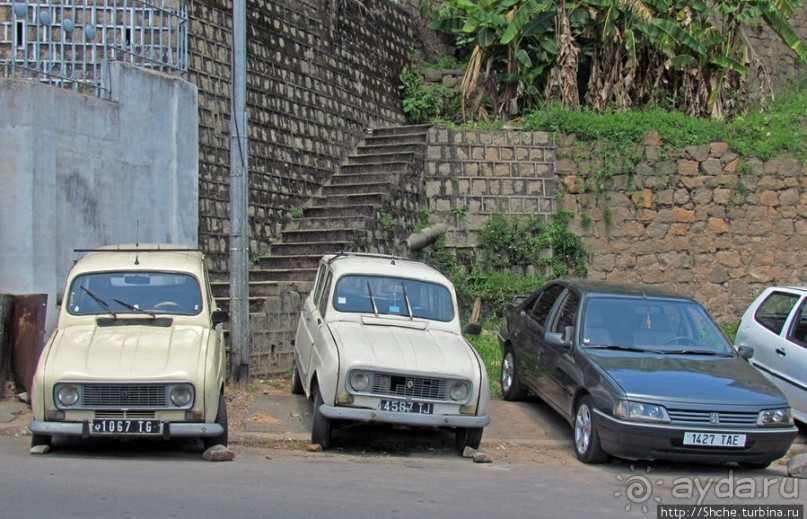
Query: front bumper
[
  {"x": 169, "y": 430},
  {"x": 646, "y": 441},
  {"x": 422, "y": 420}
]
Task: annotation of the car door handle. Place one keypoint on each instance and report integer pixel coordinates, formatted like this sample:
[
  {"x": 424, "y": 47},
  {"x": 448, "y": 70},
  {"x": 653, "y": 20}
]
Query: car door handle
[{"x": 781, "y": 351}]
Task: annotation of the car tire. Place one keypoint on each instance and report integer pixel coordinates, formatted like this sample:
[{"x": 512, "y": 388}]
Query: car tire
[
  {"x": 467, "y": 437},
  {"x": 221, "y": 419},
  {"x": 40, "y": 439},
  {"x": 296, "y": 382},
  {"x": 511, "y": 387},
  {"x": 586, "y": 440},
  {"x": 321, "y": 428}
]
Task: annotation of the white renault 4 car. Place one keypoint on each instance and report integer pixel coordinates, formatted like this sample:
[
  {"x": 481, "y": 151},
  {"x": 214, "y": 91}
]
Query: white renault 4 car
[
  {"x": 379, "y": 340},
  {"x": 138, "y": 350}
]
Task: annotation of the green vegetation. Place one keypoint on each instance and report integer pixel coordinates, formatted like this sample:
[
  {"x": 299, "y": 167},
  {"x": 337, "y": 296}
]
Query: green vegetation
[
  {"x": 423, "y": 102},
  {"x": 487, "y": 345},
  {"x": 297, "y": 212},
  {"x": 387, "y": 221}
]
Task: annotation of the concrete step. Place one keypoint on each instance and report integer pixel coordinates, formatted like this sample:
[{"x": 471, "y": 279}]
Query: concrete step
[
  {"x": 322, "y": 234},
  {"x": 381, "y": 139},
  {"x": 357, "y": 188},
  {"x": 310, "y": 248},
  {"x": 384, "y": 149},
  {"x": 270, "y": 266},
  {"x": 380, "y": 158},
  {"x": 414, "y": 129},
  {"x": 350, "y": 200},
  {"x": 322, "y": 222},
  {"x": 320, "y": 210},
  {"x": 372, "y": 167}
]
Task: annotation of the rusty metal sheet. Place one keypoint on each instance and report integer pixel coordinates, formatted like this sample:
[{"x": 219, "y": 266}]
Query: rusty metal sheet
[
  {"x": 28, "y": 336},
  {"x": 6, "y": 308}
]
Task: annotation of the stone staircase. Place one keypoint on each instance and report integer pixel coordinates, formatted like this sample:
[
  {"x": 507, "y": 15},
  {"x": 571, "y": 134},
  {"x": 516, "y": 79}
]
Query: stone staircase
[{"x": 370, "y": 204}]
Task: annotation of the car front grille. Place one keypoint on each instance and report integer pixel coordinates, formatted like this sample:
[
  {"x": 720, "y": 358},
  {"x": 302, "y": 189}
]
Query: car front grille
[
  {"x": 712, "y": 418},
  {"x": 115, "y": 396},
  {"x": 386, "y": 384}
]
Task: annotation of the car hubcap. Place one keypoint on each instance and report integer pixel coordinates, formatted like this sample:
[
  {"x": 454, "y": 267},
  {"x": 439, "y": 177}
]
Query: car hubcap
[
  {"x": 582, "y": 429},
  {"x": 507, "y": 372}
]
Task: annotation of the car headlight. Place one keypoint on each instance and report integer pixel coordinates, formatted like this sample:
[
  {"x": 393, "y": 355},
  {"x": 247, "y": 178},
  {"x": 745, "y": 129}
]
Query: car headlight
[
  {"x": 775, "y": 417},
  {"x": 182, "y": 395},
  {"x": 458, "y": 390},
  {"x": 67, "y": 394},
  {"x": 359, "y": 381},
  {"x": 640, "y": 411}
]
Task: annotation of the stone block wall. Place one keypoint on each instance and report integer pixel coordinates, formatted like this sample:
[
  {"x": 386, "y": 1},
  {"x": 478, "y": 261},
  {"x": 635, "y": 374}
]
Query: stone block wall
[
  {"x": 700, "y": 221},
  {"x": 472, "y": 175},
  {"x": 319, "y": 71}
]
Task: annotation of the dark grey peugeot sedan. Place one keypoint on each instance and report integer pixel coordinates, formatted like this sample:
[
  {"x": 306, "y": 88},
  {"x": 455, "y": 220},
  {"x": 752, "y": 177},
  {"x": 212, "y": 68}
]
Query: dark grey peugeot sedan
[{"x": 641, "y": 373}]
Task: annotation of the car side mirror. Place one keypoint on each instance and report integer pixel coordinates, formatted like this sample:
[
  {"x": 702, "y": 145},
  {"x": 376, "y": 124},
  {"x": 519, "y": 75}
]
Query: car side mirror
[
  {"x": 558, "y": 339},
  {"x": 220, "y": 316},
  {"x": 473, "y": 329},
  {"x": 745, "y": 352}
]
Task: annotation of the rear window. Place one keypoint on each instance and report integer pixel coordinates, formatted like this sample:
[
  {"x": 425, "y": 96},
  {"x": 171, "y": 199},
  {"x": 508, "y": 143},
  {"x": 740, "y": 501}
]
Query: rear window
[{"x": 773, "y": 312}]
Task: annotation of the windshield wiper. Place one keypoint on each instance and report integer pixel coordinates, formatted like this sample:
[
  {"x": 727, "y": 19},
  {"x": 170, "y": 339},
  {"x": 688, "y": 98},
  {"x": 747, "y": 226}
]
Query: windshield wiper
[
  {"x": 620, "y": 348},
  {"x": 406, "y": 298},
  {"x": 372, "y": 299},
  {"x": 696, "y": 352},
  {"x": 100, "y": 301},
  {"x": 136, "y": 309}
]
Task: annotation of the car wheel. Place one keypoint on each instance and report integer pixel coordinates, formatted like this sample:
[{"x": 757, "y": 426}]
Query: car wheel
[
  {"x": 468, "y": 437},
  {"x": 221, "y": 419},
  {"x": 511, "y": 388},
  {"x": 40, "y": 439},
  {"x": 321, "y": 428},
  {"x": 296, "y": 383},
  {"x": 586, "y": 440}
]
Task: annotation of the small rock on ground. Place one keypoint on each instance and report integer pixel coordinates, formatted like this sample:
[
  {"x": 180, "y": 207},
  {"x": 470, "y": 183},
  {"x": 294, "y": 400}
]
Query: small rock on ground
[
  {"x": 797, "y": 466},
  {"x": 40, "y": 449},
  {"x": 314, "y": 447},
  {"x": 218, "y": 453}
]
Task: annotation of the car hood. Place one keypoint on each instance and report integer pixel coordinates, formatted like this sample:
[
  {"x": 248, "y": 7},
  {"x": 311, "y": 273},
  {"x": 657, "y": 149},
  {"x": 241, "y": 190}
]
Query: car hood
[
  {"x": 126, "y": 352},
  {"x": 688, "y": 378},
  {"x": 402, "y": 349}
]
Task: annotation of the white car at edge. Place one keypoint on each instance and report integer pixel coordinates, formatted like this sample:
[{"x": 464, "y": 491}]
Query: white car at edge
[
  {"x": 379, "y": 340},
  {"x": 775, "y": 326}
]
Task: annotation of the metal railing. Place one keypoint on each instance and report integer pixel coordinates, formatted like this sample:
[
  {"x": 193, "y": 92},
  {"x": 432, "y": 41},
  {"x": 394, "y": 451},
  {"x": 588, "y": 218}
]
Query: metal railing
[{"x": 69, "y": 43}]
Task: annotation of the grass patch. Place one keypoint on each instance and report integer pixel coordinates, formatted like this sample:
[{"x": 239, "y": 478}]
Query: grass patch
[{"x": 487, "y": 344}]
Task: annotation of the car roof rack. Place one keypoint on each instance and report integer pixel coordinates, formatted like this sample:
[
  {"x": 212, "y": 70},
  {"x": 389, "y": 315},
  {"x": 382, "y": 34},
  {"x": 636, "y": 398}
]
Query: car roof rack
[
  {"x": 347, "y": 254},
  {"x": 155, "y": 248}
]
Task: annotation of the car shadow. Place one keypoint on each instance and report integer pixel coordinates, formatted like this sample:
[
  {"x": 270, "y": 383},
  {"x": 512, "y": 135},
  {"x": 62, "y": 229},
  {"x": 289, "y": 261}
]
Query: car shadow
[{"x": 179, "y": 449}]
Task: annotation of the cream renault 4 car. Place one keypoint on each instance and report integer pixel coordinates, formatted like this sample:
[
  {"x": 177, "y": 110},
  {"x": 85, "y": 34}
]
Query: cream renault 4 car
[
  {"x": 379, "y": 340},
  {"x": 138, "y": 350}
]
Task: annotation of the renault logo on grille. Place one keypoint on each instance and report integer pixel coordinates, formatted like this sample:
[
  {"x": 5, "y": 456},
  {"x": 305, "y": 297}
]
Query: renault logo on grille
[
  {"x": 124, "y": 394},
  {"x": 714, "y": 418},
  {"x": 410, "y": 384}
]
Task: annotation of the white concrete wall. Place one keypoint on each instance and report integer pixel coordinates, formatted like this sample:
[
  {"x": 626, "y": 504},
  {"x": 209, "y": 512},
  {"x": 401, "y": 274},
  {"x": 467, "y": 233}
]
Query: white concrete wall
[{"x": 77, "y": 171}]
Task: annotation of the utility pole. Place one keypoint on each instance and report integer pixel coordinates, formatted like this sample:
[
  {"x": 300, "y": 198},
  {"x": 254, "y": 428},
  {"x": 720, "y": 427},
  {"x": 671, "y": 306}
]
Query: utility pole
[{"x": 239, "y": 199}]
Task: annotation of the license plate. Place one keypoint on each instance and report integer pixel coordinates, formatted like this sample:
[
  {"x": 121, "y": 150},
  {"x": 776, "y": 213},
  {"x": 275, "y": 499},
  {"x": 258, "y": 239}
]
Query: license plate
[
  {"x": 397, "y": 406},
  {"x": 125, "y": 427},
  {"x": 714, "y": 439}
]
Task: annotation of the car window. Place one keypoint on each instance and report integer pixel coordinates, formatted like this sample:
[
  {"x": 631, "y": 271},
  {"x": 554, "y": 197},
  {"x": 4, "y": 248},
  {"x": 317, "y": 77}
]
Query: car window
[
  {"x": 322, "y": 304},
  {"x": 567, "y": 313},
  {"x": 319, "y": 283},
  {"x": 393, "y": 296},
  {"x": 134, "y": 292},
  {"x": 798, "y": 330},
  {"x": 540, "y": 311},
  {"x": 773, "y": 312}
]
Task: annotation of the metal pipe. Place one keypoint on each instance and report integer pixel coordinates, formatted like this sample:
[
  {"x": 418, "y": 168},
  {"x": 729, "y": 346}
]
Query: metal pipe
[{"x": 239, "y": 198}]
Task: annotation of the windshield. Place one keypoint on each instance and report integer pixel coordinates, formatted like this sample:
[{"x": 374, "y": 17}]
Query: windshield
[
  {"x": 661, "y": 325},
  {"x": 134, "y": 292},
  {"x": 393, "y": 296}
]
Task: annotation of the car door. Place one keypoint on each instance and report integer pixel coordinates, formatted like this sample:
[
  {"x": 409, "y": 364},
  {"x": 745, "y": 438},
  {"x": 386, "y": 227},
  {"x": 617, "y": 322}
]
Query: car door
[
  {"x": 527, "y": 336},
  {"x": 776, "y": 330},
  {"x": 308, "y": 325},
  {"x": 556, "y": 361}
]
